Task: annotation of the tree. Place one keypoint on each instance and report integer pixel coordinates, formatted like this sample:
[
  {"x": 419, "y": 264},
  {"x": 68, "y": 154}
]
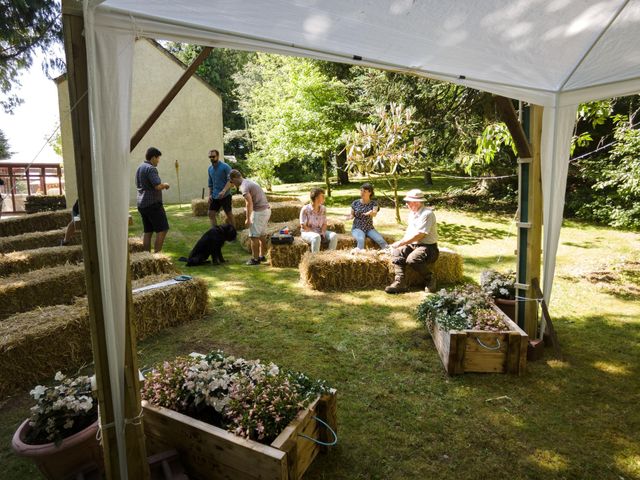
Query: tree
[
  {"x": 4, "y": 147},
  {"x": 218, "y": 70},
  {"x": 290, "y": 106},
  {"x": 390, "y": 146},
  {"x": 26, "y": 26}
]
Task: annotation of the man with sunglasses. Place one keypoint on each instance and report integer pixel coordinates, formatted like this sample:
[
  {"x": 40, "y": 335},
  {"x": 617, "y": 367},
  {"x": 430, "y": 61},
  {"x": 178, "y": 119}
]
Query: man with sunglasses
[{"x": 219, "y": 186}]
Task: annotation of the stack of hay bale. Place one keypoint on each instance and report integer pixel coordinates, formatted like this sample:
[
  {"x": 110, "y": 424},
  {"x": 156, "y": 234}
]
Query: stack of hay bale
[
  {"x": 44, "y": 319},
  {"x": 343, "y": 270},
  {"x": 200, "y": 206}
]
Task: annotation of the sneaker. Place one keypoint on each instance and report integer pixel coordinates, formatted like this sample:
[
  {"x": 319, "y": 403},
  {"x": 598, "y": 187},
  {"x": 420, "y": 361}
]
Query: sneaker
[
  {"x": 253, "y": 261},
  {"x": 262, "y": 258}
]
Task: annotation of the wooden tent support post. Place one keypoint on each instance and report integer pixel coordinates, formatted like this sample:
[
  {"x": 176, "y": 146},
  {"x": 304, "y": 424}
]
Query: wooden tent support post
[
  {"x": 137, "y": 467},
  {"x": 148, "y": 123},
  {"x": 547, "y": 319},
  {"x": 529, "y": 210}
]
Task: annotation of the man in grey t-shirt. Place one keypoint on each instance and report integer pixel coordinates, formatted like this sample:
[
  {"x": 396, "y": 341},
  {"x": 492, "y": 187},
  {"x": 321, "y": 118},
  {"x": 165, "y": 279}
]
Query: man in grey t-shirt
[
  {"x": 419, "y": 245},
  {"x": 258, "y": 214}
]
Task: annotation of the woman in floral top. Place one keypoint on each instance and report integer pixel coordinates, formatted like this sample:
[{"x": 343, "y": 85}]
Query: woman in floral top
[
  {"x": 362, "y": 212},
  {"x": 313, "y": 222}
]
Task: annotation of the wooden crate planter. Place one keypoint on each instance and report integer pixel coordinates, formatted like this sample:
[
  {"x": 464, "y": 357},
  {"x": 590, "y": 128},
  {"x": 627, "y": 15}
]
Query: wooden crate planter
[
  {"x": 464, "y": 351},
  {"x": 209, "y": 452}
]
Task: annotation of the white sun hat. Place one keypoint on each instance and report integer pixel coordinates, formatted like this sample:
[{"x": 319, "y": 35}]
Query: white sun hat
[{"x": 415, "y": 195}]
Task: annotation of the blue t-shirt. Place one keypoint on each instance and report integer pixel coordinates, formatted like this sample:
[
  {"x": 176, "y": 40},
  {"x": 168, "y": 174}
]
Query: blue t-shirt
[{"x": 218, "y": 178}]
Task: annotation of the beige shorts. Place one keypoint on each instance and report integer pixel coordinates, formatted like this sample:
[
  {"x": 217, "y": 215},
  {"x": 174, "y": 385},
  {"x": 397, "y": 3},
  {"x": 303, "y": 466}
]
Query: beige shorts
[{"x": 259, "y": 222}]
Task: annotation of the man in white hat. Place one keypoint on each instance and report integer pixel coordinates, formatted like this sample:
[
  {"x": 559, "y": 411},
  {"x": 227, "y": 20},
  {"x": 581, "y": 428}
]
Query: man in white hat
[{"x": 418, "y": 247}]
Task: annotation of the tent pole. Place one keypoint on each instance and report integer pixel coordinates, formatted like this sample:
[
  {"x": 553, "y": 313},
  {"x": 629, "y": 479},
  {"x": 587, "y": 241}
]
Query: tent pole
[
  {"x": 534, "y": 240},
  {"x": 529, "y": 208},
  {"x": 164, "y": 103},
  {"x": 76, "y": 57}
]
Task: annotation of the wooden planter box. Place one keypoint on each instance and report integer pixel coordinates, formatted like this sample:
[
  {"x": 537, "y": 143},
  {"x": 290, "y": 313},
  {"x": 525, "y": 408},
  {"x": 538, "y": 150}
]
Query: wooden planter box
[
  {"x": 481, "y": 351},
  {"x": 209, "y": 452}
]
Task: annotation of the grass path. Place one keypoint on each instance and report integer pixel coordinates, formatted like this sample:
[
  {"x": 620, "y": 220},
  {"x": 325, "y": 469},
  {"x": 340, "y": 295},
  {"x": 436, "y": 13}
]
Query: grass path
[{"x": 400, "y": 416}]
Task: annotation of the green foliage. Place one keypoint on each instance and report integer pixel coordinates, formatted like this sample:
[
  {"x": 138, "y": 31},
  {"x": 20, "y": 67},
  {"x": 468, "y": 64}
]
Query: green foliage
[
  {"x": 25, "y": 28},
  {"x": 290, "y": 106},
  {"x": 389, "y": 146},
  {"x": 4, "y": 147},
  {"x": 616, "y": 190},
  {"x": 494, "y": 137}
]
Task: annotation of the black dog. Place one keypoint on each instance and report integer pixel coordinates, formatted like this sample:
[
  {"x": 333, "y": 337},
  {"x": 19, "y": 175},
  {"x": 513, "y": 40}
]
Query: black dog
[{"x": 211, "y": 244}]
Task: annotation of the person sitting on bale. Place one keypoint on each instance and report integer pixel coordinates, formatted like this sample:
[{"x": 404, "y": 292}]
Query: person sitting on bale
[
  {"x": 362, "y": 213},
  {"x": 418, "y": 248},
  {"x": 70, "y": 231},
  {"x": 313, "y": 222}
]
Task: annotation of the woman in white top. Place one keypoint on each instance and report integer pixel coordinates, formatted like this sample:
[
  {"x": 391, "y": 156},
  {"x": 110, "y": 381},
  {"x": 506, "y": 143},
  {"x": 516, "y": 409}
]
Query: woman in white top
[{"x": 313, "y": 222}]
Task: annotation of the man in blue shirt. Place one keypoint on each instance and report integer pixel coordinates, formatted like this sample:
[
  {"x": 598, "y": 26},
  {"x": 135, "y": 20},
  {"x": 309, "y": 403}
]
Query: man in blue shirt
[{"x": 219, "y": 186}]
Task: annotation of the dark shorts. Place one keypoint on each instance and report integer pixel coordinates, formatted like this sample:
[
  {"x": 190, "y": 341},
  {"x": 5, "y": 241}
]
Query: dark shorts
[
  {"x": 154, "y": 218},
  {"x": 221, "y": 203},
  {"x": 75, "y": 210}
]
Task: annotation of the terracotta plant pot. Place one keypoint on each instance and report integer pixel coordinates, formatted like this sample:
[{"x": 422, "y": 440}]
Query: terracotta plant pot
[
  {"x": 59, "y": 462},
  {"x": 508, "y": 307}
]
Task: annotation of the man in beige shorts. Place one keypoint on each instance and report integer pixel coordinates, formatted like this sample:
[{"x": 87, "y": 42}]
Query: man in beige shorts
[{"x": 258, "y": 214}]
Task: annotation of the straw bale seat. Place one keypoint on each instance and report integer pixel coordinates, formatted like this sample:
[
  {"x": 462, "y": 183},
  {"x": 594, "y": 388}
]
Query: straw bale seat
[
  {"x": 36, "y": 344},
  {"x": 291, "y": 255},
  {"x": 22, "y": 292},
  {"x": 35, "y": 222},
  {"x": 342, "y": 270},
  {"x": 27, "y": 260},
  {"x": 200, "y": 206}
]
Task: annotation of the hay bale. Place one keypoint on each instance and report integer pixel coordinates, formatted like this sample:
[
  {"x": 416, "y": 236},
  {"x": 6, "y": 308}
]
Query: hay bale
[
  {"x": 341, "y": 270},
  {"x": 60, "y": 285},
  {"x": 200, "y": 207},
  {"x": 288, "y": 255},
  {"x": 164, "y": 307},
  {"x": 335, "y": 225},
  {"x": 27, "y": 260},
  {"x": 448, "y": 269},
  {"x": 33, "y": 240},
  {"x": 36, "y": 222},
  {"x": 36, "y": 344},
  {"x": 285, "y": 211}
]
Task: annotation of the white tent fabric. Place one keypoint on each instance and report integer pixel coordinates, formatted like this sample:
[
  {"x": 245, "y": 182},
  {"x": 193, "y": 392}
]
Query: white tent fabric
[{"x": 554, "y": 53}]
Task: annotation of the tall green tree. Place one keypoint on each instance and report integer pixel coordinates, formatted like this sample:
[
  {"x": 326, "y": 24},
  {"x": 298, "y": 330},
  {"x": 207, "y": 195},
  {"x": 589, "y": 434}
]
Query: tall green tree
[
  {"x": 218, "y": 70},
  {"x": 4, "y": 147},
  {"x": 26, "y": 26},
  {"x": 389, "y": 146},
  {"x": 292, "y": 111}
]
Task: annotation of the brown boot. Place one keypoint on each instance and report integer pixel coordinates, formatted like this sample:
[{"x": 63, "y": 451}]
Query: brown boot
[
  {"x": 432, "y": 284},
  {"x": 398, "y": 286}
]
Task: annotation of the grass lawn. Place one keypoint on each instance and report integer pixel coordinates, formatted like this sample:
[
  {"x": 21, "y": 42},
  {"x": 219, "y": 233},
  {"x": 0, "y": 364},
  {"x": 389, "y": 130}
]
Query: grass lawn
[{"x": 400, "y": 416}]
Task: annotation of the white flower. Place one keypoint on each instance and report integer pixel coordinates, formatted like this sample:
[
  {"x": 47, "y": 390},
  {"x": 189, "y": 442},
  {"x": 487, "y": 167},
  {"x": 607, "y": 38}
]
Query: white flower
[
  {"x": 37, "y": 392},
  {"x": 59, "y": 376}
]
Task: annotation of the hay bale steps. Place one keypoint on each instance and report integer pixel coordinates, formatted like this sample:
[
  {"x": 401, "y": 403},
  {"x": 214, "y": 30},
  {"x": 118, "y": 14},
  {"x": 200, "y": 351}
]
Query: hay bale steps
[
  {"x": 342, "y": 270},
  {"x": 60, "y": 285},
  {"x": 35, "y": 222},
  {"x": 33, "y": 240},
  {"x": 27, "y": 260},
  {"x": 200, "y": 206},
  {"x": 36, "y": 344}
]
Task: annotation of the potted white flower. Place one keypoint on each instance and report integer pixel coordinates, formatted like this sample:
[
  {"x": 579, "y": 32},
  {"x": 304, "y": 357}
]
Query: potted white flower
[
  {"x": 501, "y": 287},
  {"x": 60, "y": 434}
]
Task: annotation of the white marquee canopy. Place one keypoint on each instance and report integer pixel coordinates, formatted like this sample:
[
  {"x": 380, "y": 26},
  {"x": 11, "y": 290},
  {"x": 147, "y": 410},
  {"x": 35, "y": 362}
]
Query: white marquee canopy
[{"x": 554, "y": 53}]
